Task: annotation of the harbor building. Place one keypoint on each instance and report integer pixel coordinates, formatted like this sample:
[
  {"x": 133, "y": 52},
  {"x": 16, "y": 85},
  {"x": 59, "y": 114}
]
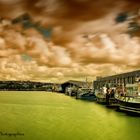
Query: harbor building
[
  {"x": 75, "y": 84},
  {"x": 118, "y": 79}
]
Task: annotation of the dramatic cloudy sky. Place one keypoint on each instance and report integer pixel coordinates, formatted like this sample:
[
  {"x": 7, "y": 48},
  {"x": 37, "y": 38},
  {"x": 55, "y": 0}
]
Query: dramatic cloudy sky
[{"x": 85, "y": 40}]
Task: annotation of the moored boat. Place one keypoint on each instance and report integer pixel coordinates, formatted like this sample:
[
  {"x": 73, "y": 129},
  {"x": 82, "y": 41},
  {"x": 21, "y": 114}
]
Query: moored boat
[
  {"x": 71, "y": 91},
  {"x": 101, "y": 95},
  {"x": 129, "y": 98},
  {"x": 86, "y": 94},
  {"x": 106, "y": 96}
]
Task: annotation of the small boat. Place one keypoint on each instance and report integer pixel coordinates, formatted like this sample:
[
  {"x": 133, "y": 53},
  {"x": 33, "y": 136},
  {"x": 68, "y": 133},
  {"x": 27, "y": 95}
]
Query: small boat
[
  {"x": 101, "y": 95},
  {"x": 71, "y": 91},
  {"x": 86, "y": 94},
  {"x": 106, "y": 96},
  {"x": 129, "y": 99}
]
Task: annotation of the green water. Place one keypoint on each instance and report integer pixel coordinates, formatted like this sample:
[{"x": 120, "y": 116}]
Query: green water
[{"x": 51, "y": 116}]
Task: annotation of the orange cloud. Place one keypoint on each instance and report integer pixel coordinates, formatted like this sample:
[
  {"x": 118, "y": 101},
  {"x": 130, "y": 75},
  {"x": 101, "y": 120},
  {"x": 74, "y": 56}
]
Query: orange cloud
[{"x": 84, "y": 44}]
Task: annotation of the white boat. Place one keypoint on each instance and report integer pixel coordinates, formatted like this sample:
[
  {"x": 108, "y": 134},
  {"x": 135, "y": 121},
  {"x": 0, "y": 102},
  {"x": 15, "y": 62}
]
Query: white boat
[
  {"x": 101, "y": 95},
  {"x": 106, "y": 96},
  {"x": 71, "y": 91},
  {"x": 129, "y": 98},
  {"x": 85, "y": 94}
]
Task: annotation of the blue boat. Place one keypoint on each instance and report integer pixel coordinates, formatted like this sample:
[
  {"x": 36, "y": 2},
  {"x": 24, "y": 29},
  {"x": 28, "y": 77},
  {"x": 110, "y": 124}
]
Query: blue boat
[{"x": 86, "y": 94}]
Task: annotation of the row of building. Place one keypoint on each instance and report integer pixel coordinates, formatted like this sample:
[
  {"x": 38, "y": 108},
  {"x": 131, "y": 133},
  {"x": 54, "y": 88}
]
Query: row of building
[
  {"x": 118, "y": 79},
  {"x": 111, "y": 81}
]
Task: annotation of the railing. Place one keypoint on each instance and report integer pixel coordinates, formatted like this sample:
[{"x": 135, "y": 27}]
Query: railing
[{"x": 128, "y": 98}]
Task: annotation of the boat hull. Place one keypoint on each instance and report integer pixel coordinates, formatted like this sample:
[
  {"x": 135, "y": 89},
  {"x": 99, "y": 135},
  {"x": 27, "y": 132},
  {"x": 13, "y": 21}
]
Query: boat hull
[
  {"x": 129, "y": 106},
  {"x": 111, "y": 102},
  {"x": 88, "y": 97},
  {"x": 107, "y": 99},
  {"x": 101, "y": 100}
]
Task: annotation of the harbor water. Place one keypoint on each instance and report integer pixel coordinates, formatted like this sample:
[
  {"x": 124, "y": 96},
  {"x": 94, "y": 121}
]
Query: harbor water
[{"x": 52, "y": 116}]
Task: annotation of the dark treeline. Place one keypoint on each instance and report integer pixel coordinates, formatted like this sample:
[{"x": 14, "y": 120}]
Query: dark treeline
[{"x": 26, "y": 86}]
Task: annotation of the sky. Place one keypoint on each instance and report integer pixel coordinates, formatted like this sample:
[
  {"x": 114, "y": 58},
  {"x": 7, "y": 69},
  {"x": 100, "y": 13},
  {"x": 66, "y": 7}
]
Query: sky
[{"x": 85, "y": 41}]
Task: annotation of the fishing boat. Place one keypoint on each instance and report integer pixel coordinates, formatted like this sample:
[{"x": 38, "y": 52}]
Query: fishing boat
[
  {"x": 71, "y": 91},
  {"x": 101, "y": 95},
  {"x": 129, "y": 98},
  {"x": 106, "y": 96},
  {"x": 86, "y": 94}
]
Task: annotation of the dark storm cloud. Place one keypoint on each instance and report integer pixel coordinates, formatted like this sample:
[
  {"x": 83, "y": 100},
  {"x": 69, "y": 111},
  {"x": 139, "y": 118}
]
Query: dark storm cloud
[
  {"x": 70, "y": 14},
  {"x": 65, "y": 9},
  {"x": 62, "y": 9},
  {"x": 67, "y": 14},
  {"x": 82, "y": 10},
  {"x": 133, "y": 4}
]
